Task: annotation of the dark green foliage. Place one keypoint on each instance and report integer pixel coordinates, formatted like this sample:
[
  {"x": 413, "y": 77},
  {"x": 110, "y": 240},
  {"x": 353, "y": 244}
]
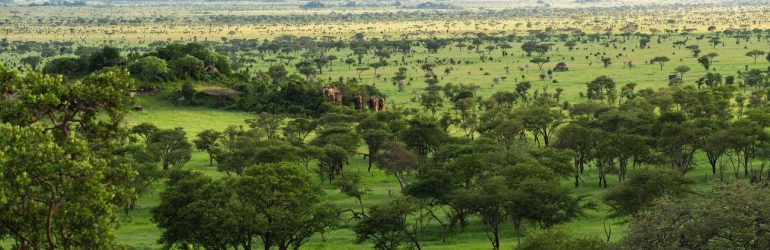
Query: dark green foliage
[
  {"x": 340, "y": 136},
  {"x": 195, "y": 210},
  {"x": 705, "y": 61},
  {"x": 375, "y": 139},
  {"x": 150, "y": 69},
  {"x": 387, "y": 225},
  {"x": 94, "y": 106},
  {"x": 53, "y": 188},
  {"x": 59, "y": 186},
  {"x": 602, "y": 88},
  {"x": 350, "y": 185},
  {"x": 394, "y": 158},
  {"x": 206, "y": 141},
  {"x": 186, "y": 67},
  {"x": 423, "y": 135},
  {"x": 144, "y": 130},
  {"x": 498, "y": 185},
  {"x": 248, "y": 150},
  {"x": 106, "y": 57},
  {"x": 169, "y": 147},
  {"x": 643, "y": 187},
  {"x": 274, "y": 202},
  {"x": 297, "y": 130},
  {"x": 68, "y": 66},
  {"x": 730, "y": 217}
]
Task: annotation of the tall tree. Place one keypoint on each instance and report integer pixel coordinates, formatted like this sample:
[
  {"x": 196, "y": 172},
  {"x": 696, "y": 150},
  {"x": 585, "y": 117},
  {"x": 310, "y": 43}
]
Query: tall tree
[
  {"x": 541, "y": 122},
  {"x": 662, "y": 60},
  {"x": 288, "y": 205},
  {"x": 388, "y": 225},
  {"x": 394, "y": 158},
  {"x": 755, "y": 53},
  {"x": 206, "y": 140},
  {"x": 539, "y": 61},
  {"x": 170, "y": 147},
  {"x": 54, "y": 194}
]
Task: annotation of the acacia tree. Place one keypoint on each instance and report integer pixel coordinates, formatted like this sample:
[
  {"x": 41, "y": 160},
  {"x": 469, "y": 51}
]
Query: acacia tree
[
  {"x": 338, "y": 141},
  {"x": 694, "y": 49},
  {"x": 643, "y": 187},
  {"x": 250, "y": 150},
  {"x": 423, "y": 136},
  {"x": 431, "y": 100},
  {"x": 206, "y": 140},
  {"x": 285, "y": 202},
  {"x": 681, "y": 70},
  {"x": 297, "y": 130},
  {"x": 396, "y": 159},
  {"x": 602, "y": 88},
  {"x": 705, "y": 61},
  {"x": 375, "y": 139},
  {"x": 186, "y": 67},
  {"x": 541, "y": 122},
  {"x": 662, "y": 60},
  {"x": 144, "y": 130},
  {"x": 275, "y": 202},
  {"x": 170, "y": 147},
  {"x": 582, "y": 141},
  {"x": 149, "y": 68},
  {"x": 715, "y": 143},
  {"x": 267, "y": 123},
  {"x": 58, "y": 190},
  {"x": 388, "y": 225},
  {"x": 522, "y": 193},
  {"x": 350, "y": 185},
  {"x": 755, "y": 53},
  {"x": 677, "y": 139},
  {"x": 196, "y": 210},
  {"x": 539, "y": 61}
]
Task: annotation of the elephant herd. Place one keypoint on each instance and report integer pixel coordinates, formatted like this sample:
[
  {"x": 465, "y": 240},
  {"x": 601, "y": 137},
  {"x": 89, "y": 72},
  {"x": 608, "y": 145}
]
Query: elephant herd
[{"x": 374, "y": 103}]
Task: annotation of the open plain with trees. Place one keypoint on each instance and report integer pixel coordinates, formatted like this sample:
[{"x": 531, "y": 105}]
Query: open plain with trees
[{"x": 374, "y": 124}]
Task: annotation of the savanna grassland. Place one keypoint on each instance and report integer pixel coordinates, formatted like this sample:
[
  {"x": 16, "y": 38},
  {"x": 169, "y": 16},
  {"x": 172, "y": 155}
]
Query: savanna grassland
[{"x": 675, "y": 95}]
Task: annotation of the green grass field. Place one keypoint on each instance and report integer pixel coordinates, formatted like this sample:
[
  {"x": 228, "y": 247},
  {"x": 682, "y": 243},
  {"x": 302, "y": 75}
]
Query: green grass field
[
  {"x": 731, "y": 59},
  {"x": 137, "y": 231}
]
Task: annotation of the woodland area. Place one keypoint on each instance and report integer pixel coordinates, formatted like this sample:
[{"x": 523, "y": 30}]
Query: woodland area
[{"x": 385, "y": 125}]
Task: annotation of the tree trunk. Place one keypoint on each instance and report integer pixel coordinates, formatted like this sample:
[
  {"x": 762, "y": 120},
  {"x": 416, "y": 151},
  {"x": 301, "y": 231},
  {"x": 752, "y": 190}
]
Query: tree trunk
[
  {"x": 577, "y": 171},
  {"x": 623, "y": 167},
  {"x": 268, "y": 241},
  {"x": 496, "y": 243},
  {"x": 371, "y": 159},
  {"x": 713, "y": 162},
  {"x": 746, "y": 163}
]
